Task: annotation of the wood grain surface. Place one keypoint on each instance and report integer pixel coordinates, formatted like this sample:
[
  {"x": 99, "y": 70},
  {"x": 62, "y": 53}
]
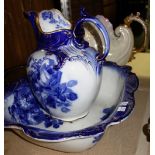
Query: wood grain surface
[{"x": 19, "y": 39}]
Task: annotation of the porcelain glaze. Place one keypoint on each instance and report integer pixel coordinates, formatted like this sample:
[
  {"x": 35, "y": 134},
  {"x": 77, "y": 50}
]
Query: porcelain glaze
[
  {"x": 111, "y": 107},
  {"x": 52, "y": 20},
  {"x": 71, "y": 94},
  {"x": 63, "y": 62},
  {"x": 121, "y": 39}
]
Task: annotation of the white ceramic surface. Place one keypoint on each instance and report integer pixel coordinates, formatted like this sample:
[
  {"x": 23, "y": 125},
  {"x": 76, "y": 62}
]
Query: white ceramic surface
[
  {"x": 87, "y": 83},
  {"x": 63, "y": 62},
  {"x": 67, "y": 80},
  {"x": 52, "y": 20},
  {"x": 113, "y": 104}
]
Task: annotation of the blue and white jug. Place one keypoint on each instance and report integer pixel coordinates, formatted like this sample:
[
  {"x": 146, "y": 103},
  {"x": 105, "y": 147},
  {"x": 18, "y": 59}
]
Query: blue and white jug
[{"x": 64, "y": 72}]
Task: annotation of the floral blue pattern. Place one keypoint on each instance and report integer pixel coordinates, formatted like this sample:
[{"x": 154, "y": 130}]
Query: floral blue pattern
[
  {"x": 131, "y": 85},
  {"x": 46, "y": 82},
  {"x": 60, "y": 23},
  {"x": 25, "y": 109}
]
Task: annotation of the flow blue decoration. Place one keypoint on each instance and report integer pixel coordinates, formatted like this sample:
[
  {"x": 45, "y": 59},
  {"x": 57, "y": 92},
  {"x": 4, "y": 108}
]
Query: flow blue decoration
[
  {"x": 107, "y": 112},
  {"x": 66, "y": 36},
  {"x": 97, "y": 138},
  {"x": 55, "y": 19},
  {"x": 47, "y": 86},
  {"x": 45, "y": 77},
  {"x": 125, "y": 107},
  {"x": 25, "y": 109}
]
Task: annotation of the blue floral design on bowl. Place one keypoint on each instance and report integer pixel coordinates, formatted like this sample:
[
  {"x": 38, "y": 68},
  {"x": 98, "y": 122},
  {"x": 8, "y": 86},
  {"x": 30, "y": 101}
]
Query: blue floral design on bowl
[
  {"x": 120, "y": 113},
  {"x": 25, "y": 109}
]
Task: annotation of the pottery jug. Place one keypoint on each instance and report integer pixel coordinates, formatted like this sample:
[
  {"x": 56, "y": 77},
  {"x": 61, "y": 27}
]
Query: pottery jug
[
  {"x": 64, "y": 72},
  {"x": 121, "y": 39}
]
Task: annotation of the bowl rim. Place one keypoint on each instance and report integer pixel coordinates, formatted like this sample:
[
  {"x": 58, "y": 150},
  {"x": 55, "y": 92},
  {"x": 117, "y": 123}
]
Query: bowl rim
[{"x": 128, "y": 101}]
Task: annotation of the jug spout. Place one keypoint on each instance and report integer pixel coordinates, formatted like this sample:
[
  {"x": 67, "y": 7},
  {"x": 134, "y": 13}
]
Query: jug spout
[
  {"x": 31, "y": 16},
  {"x": 48, "y": 21}
]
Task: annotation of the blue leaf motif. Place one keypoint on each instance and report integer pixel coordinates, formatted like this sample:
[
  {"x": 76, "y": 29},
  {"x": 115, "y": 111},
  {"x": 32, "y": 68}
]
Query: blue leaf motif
[
  {"x": 48, "y": 124},
  {"x": 67, "y": 104},
  {"x": 65, "y": 110},
  {"x": 47, "y": 15},
  {"x": 59, "y": 22},
  {"x": 63, "y": 88},
  {"x": 71, "y": 83},
  {"x": 50, "y": 71},
  {"x": 46, "y": 82},
  {"x": 55, "y": 124},
  {"x": 62, "y": 98},
  {"x": 51, "y": 102},
  {"x": 30, "y": 113},
  {"x": 60, "y": 104},
  {"x": 72, "y": 96},
  {"x": 107, "y": 112}
]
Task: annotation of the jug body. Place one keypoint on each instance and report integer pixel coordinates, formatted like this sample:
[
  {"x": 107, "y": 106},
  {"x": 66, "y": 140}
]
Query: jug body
[{"x": 64, "y": 72}]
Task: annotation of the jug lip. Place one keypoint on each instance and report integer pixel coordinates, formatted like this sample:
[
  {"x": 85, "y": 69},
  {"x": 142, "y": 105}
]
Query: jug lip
[{"x": 54, "y": 31}]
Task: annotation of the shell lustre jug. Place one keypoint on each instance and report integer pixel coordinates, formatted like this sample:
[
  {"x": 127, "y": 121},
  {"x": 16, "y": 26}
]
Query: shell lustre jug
[
  {"x": 65, "y": 74},
  {"x": 122, "y": 48}
]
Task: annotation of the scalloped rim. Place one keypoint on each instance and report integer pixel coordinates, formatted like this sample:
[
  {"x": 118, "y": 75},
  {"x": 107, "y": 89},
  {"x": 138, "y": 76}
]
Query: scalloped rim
[
  {"x": 51, "y": 32},
  {"x": 131, "y": 85}
]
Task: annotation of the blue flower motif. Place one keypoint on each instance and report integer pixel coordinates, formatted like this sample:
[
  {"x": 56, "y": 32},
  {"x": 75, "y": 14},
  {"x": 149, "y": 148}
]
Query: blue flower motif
[
  {"x": 71, "y": 83},
  {"x": 52, "y": 122},
  {"x": 60, "y": 22},
  {"x": 25, "y": 109},
  {"x": 48, "y": 15},
  {"x": 46, "y": 82}
]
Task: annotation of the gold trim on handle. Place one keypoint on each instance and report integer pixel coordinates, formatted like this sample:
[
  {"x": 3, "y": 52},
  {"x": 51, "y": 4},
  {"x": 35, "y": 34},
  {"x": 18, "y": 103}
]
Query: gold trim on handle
[{"x": 127, "y": 22}]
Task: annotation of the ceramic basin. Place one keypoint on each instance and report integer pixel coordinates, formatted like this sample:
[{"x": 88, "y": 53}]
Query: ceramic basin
[{"x": 114, "y": 103}]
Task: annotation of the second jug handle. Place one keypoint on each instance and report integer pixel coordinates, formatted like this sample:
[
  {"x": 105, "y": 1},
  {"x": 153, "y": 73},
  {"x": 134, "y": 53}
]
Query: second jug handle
[{"x": 127, "y": 21}]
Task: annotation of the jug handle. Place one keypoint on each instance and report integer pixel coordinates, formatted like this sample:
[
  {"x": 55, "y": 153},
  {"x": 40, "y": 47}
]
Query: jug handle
[
  {"x": 127, "y": 21},
  {"x": 79, "y": 32}
]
